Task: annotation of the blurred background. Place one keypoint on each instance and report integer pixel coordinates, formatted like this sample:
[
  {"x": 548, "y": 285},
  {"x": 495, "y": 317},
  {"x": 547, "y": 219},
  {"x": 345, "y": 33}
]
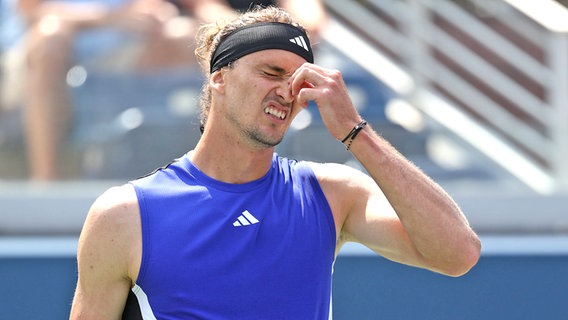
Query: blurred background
[{"x": 475, "y": 92}]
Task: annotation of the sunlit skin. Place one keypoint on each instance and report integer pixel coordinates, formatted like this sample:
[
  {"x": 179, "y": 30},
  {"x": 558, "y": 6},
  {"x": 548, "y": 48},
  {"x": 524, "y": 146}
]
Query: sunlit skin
[
  {"x": 238, "y": 129},
  {"x": 261, "y": 81}
]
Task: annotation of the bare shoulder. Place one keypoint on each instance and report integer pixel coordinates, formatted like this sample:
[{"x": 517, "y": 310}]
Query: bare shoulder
[
  {"x": 346, "y": 189},
  {"x": 116, "y": 198},
  {"x": 115, "y": 211},
  {"x": 113, "y": 229},
  {"x": 340, "y": 176},
  {"x": 108, "y": 256},
  {"x": 115, "y": 217},
  {"x": 337, "y": 181}
]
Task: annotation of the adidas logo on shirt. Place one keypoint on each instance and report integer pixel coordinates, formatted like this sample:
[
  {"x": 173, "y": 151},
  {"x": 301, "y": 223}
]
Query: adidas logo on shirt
[
  {"x": 245, "y": 219},
  {"x": 299, "y": 40}
]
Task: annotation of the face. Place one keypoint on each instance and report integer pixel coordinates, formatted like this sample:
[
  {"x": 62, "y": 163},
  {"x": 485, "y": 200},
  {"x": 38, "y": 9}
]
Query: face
[{"x": 256, "y": 102}]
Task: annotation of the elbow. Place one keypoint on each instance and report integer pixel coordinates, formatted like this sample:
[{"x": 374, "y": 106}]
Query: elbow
[{"x": 464, "y": 260}]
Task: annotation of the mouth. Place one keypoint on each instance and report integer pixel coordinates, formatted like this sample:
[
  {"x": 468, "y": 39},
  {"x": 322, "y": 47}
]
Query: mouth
[{"x": 276, "y": 112}]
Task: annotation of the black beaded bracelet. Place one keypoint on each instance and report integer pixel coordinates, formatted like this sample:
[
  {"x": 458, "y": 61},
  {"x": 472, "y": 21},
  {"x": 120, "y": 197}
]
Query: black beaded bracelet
[{"x": 354, "y": 132}]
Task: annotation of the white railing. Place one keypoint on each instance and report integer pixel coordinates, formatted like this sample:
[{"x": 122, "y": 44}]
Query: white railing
[{"x": 493, "y": 72}]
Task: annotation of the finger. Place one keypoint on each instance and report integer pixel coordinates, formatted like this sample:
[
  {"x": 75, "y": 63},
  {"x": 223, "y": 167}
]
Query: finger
[
  {"x": 308, "y": 75},
  {"x": 305, "y": 95},
  {"x": 308, "y": 65}
]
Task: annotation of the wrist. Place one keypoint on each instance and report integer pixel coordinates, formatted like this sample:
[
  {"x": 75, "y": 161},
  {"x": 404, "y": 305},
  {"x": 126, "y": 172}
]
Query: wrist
[{"x": 348, "y": 140}]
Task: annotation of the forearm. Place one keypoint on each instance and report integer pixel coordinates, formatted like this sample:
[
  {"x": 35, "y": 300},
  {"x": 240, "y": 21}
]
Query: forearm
[{"x": 436, "y": 226}]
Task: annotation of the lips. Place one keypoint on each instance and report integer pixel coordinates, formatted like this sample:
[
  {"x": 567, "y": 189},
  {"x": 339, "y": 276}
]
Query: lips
[{"x": 275, "y": 112}]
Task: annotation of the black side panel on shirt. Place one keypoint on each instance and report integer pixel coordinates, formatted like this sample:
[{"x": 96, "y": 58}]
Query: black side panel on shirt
[{"x": 132, "y": 308}]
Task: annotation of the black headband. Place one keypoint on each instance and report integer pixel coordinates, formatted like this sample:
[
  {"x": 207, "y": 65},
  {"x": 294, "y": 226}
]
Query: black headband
[{"x": 261, "y": 36}]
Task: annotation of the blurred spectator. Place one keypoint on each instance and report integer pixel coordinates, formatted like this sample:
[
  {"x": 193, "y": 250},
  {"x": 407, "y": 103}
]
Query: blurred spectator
[
  {"x": 113, "y": 34},
  {"x": 117, "y": 35}
]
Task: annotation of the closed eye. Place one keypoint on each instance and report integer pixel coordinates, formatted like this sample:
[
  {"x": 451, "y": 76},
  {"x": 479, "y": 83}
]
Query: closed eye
[
  {"x": 268, "y": 74},
  {"x": 273, "y": 71}
]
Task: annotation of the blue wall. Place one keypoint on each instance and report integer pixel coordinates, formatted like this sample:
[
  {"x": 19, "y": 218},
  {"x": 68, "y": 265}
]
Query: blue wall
[
  {"x": 499, "y": 287},
  {"x": 365, "y": 287},
  {"x": 36, "y": 288}
]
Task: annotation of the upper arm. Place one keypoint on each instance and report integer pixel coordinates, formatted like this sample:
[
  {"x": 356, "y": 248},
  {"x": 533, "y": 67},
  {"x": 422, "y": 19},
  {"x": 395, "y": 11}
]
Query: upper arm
[
  {"x": 363, "y": 214},
  {"x": 108, "y": 255}
]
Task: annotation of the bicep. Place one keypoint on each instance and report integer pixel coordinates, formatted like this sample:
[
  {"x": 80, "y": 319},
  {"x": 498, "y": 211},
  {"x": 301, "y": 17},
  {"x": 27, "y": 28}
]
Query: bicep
[{"x": 373, "y": 222}]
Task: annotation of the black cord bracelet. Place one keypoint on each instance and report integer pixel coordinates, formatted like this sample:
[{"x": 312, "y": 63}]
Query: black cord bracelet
[{"x": 353, "y": 133}]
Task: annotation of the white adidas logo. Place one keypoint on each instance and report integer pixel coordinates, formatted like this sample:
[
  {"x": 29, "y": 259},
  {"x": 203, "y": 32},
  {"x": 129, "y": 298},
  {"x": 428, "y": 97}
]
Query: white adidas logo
[
  {"x": 245, "y": 219},
  {"x": 299, "y": 40}
]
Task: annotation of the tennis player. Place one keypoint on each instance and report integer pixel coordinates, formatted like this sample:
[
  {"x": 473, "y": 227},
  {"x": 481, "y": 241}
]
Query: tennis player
[{"x": 231, "y": 230}]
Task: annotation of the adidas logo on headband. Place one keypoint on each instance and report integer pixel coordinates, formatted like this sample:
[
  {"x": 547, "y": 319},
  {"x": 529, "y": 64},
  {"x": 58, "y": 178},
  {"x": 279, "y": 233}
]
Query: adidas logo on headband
[
  {"x": 261, "y": 36},
  {"x": 299, "y": 40}
]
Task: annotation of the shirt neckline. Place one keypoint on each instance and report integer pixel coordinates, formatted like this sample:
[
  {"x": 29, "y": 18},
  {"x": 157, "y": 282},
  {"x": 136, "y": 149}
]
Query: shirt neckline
[{"x": 206, "y": 180}]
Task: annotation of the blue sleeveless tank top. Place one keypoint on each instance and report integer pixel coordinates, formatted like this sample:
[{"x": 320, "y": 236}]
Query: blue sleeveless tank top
[{"x": 213, "y": 250}]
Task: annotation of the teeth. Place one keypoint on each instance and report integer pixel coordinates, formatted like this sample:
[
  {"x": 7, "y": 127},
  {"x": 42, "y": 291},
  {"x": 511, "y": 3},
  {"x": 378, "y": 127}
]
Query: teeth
[{"x": 276, "y": 113}]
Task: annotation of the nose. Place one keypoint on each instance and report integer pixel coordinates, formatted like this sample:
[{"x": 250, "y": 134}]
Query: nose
[{"x": 284, "y": 92}]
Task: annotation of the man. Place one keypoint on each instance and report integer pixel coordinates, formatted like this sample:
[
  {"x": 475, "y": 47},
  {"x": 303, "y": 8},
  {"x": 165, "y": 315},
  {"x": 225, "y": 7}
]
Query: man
[{"x": 231, "y": 230}]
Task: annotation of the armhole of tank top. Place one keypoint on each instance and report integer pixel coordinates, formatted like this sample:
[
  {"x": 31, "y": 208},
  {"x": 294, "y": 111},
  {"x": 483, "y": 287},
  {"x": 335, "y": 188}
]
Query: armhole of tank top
[
  {"x": 323, "y": 203},
  {"x": 144, "y": 230}
]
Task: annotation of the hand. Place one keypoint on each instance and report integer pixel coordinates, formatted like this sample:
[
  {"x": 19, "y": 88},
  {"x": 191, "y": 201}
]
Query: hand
[{"x": 328, "y": 90}]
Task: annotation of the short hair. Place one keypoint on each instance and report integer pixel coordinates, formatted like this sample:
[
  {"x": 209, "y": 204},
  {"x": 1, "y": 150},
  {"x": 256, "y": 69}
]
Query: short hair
[{"x": 209, "y": 36}]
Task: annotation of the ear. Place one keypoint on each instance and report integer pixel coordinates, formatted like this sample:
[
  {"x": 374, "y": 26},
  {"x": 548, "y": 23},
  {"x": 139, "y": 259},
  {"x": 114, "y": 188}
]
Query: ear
[{"x": 217, "y": 81}]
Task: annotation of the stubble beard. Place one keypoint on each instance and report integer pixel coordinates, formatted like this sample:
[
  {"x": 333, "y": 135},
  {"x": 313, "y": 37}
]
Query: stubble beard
[
  {"x": 254, "y": 136},
  {"x": 261, "y": 140}
]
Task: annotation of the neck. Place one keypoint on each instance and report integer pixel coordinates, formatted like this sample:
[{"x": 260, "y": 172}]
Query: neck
[{"x": 229, "y": 161}]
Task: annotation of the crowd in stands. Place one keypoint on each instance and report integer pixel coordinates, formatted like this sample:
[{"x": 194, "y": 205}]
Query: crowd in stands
[{"x": 114, "y": 35}]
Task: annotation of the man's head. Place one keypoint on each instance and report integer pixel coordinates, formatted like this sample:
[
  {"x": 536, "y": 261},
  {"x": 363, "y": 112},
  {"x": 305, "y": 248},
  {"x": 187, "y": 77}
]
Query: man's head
[{"x": 221, "y": 44}]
